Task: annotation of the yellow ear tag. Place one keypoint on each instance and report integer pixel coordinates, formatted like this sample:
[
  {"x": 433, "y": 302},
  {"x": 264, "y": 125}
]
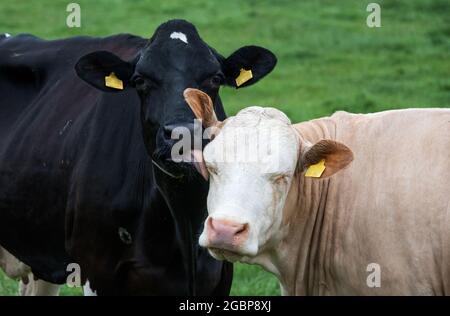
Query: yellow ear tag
[
  {"x": 316, "y": 170},
  {"x": 112, "y": 81},
  {"x": 244, "y": 76}
]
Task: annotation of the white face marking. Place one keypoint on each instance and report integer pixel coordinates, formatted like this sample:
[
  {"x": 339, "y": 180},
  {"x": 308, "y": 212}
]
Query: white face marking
[
  {"x": 179, "y": 36},
  {"x": 251, "y": 192},
  {"x": 7, "y": 35}
]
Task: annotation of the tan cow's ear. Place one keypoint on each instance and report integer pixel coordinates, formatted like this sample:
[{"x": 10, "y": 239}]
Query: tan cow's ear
[
  {"x": 325, "y": 158},
  {"x": 202, "y": 106}
]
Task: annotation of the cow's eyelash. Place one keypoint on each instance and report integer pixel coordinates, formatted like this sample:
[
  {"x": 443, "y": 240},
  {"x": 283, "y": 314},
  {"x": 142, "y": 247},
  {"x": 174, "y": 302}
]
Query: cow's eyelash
[
  {"x": 219, "y": 75},
  {"x": 277, "y": 177},
  {"x": 211, "y": 169},
  {"x": 147, "y": 78}
]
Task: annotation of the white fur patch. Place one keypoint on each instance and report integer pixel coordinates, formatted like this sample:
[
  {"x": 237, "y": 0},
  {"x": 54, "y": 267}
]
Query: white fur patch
[
  {"x": 180, "y": 36},
  {"x": 7, "y": 35},
  {"x": 252, "y": 149}
]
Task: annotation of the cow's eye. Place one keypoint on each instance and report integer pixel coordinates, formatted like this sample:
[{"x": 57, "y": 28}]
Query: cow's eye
[
  {"x": 279, "y": 178},
  {"x": 139, "y": 81},
  {"x": 216, "y": 80},
  {"x": 143, "y": 84}
]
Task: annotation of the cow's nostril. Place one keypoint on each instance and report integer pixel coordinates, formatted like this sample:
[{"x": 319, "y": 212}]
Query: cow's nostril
[{"x": 242, "y": 229}]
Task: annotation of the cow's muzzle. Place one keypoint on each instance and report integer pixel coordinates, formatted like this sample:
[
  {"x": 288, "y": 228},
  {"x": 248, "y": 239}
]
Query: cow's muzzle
[{"x": 226, "y": 234}]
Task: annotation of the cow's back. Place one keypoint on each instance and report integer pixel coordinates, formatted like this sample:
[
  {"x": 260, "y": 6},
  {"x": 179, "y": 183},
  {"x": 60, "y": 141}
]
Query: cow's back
[
  {"x": 392, "y": 204},
  {"x": 32, "y": 69}
]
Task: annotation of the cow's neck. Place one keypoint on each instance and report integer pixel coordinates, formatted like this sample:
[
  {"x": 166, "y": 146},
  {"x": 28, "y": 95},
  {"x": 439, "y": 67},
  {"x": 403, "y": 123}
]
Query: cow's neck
[
  {"x": 302, "y": 256},
  {"x": 187, "y": 203}
]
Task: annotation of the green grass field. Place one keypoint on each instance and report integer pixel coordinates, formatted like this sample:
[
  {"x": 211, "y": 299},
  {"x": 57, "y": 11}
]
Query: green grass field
[{"x": 328, "y": 58}]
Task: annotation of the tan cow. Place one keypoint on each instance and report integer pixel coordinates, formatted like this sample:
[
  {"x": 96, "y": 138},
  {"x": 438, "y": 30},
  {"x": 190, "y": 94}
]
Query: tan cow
[
  {"x": 28, "y": 286},
  {"x": 374, "y": 218}
]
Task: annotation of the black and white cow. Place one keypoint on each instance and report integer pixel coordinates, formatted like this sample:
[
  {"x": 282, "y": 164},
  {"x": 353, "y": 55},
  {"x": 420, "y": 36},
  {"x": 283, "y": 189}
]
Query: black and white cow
[{"x": 86, "y": 174}]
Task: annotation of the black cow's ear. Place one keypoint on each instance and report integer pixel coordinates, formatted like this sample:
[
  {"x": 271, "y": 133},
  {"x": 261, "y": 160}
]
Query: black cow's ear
[
  {"x": 247, "y": 65},
  {"x": 105, "y": 71}
]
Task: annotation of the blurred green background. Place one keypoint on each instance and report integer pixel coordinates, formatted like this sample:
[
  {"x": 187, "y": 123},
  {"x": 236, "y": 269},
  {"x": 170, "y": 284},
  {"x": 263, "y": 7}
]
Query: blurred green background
[{"x": 328, "y": 58}]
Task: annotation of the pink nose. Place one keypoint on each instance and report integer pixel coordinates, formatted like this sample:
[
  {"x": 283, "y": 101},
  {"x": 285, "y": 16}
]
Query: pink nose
[{"x": 225, "y": 234}]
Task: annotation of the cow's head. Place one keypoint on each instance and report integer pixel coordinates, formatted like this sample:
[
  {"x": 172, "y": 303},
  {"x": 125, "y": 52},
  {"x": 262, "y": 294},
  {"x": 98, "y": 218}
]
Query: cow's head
[
  {"x": 174, "y": 58},
  {"x": 251, "y": 164}
]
